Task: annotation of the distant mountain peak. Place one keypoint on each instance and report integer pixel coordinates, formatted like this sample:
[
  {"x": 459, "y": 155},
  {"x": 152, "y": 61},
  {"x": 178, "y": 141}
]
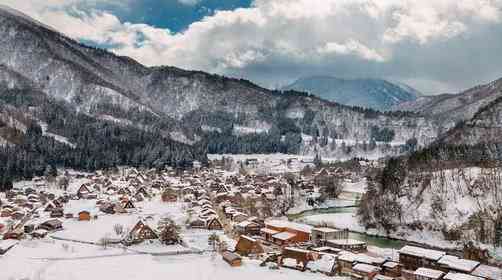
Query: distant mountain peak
[{"x": 372, "y": 93}]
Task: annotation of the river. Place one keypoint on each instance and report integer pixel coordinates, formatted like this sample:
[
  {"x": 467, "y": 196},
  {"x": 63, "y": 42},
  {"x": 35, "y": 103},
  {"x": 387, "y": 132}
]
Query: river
[{"x": 381, "y": 242}]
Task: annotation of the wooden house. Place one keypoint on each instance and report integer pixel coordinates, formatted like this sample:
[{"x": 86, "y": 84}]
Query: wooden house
[
  {"x": 365, "y": 271},
  {"x": 213, "y": 223},
  {"x": 57, "y": 213},
  {"x": 231, "y": 258},
  {"x": 455, "y": 264},
  {"x": 321, "y": 234},
  {"x": 83, "y": 191},
  {"x": 197, "y": 222},
  {"x": 248, "y": 228},
  {"x": 248, "y": 246},
  {"x": 16, "y": 234},
  {"x": 301, "y": 257},
  {"x": 84, "y": 215},
  {"x": 423, "y": 273},
  {"x": 351, "y": 245},
  {"x": 412, "y": 257},
  {"x": 488, "y": 272},
  {"x": 51, "y": 225},
  {"x": 39, "y": 233},
  {"x": 288, "y": 232},
  {"x": 391, "y": 269},
  {"x": 141, "y": 232},
  {"x": 128, "y": 205}
]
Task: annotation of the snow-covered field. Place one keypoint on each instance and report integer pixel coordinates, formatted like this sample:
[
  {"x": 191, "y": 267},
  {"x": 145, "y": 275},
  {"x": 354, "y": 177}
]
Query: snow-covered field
[
  {"x": 140, "y": 267},
  {"x": 51, "y": 260}
]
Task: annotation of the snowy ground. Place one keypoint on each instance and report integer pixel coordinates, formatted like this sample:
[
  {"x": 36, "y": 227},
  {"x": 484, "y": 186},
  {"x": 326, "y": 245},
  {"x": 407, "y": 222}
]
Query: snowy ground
[{"x": 81, "y": 261}]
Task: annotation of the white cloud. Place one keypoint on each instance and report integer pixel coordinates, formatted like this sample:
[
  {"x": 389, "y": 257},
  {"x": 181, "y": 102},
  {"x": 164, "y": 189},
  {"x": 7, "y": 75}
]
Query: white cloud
[
  {"x": 351, "y": 47},
  {"x": 277, "y": 40}
]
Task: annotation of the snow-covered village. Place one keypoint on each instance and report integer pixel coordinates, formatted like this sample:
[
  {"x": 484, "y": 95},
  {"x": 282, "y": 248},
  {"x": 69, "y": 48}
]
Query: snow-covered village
[
  {"x": 251, "y": 139},
  {"x": 228, "y": 220}
]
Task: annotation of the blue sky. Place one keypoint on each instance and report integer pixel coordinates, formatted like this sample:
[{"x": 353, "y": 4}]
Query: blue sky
[
  {"x": 175, "y": 15},
  {"x": 435, "y": 46}
]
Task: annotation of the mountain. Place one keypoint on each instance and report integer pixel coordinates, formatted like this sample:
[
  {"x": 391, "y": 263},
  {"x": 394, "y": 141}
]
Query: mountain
[
  {"x": 368, "y": 93},
  {"x": 454, "y": 108},
  {"x": 95, "y": 106}
]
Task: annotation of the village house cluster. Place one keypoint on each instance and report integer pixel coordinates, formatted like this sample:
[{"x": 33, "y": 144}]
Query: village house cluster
[
  {"x": 37, "y": 210},
  {"x": 242, "y": 207}
]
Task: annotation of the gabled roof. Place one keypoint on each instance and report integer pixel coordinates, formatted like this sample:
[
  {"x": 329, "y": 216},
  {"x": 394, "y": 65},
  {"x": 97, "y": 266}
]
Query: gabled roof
[{"x": 422, "y": 252}]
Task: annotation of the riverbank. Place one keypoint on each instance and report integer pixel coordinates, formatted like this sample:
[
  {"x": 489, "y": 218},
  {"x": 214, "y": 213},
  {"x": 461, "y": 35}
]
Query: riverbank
[{"x": 346, "y": 218}]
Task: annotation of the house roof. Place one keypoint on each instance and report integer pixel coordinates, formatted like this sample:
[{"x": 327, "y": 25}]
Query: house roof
[
  {"x": 229, "y": 256},
  {"x": 290, "y": 225},
  {"x": 284, "y": 235},
  {"x": 269, "y": 231},
  {"x": 429, "y": 273},
  {"x": 459, "y": 264},
  {"x": 382, "y": 277},
  {"x": 325, "y": 229},
  {"x": 461, "y": 276},
  {"x": 486, "y": 271},
  {"x": 346, "y": 242},
  {"x": 422, "y": 252},
  {"x": 365, "y": 268}
]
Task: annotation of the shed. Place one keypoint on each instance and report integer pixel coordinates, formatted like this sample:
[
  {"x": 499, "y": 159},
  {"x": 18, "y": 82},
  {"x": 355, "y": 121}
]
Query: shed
[{"x": 231, "y": 258}]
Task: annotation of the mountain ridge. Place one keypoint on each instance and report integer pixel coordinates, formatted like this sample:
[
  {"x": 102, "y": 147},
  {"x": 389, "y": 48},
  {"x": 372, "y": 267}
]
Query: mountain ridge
[{"x": 372, "y": 93}]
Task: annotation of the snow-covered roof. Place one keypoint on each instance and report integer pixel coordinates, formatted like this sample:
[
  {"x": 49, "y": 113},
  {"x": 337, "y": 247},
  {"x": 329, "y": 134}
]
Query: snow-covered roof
[
  {"x": 245, "y": 224},
  {"x": 459, "y": 264},
  {"x": 326, "y": 230},
  {"x": 365, "y": 268},
  {"x": 460, "y": 276},
  {"x": 490, "y": 272},
  {"x": 347, "y": 256},
  {"x": 382, "y": 277},
  {"x": 269, "y": 231},
  {"x": 284, "y": 235},
  {"x": 299, "y": 250},
  {"x": 324, "y": 264},
  {"x": 363, "y": 258},
  {"x": 422, "y": 252},
  {"x": 429, "y": 273},
  {"x": 390, "y": 264},
  {"x": 248, "y": 238},
  {"x": 346, "y": 242},
  {"x": 290, "y": 225}
]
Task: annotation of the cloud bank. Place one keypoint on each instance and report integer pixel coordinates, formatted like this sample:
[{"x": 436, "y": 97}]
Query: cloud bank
[{"x": 435, "y": 45}]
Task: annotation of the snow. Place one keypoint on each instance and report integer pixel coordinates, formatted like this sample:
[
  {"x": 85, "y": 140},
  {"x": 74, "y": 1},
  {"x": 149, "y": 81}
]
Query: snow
[
  {"x": 458, "y": 264},
  {"x": 138, "y": 267},
  {"x": 422, "y": 252},
  {"x": 243, "y": 130},
  {"x": 59, "y": 138},
  {"x": 460, "y": 276},
  {"x": 365, "y": 268},
  {"x": 115, "y": 120},
  {"x": 429, "y": 273}
]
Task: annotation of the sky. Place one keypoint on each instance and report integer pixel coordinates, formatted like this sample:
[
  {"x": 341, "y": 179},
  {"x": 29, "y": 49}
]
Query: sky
[{"x": 436, "y": 46}]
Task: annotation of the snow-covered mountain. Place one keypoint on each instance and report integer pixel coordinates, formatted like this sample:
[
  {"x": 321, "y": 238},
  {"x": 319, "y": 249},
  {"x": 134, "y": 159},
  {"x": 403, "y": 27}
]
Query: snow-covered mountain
[
  {"x": 368, "y": 93},
  {"x": 178, "y": 102},
  {"x": 453, "y": 108}
]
